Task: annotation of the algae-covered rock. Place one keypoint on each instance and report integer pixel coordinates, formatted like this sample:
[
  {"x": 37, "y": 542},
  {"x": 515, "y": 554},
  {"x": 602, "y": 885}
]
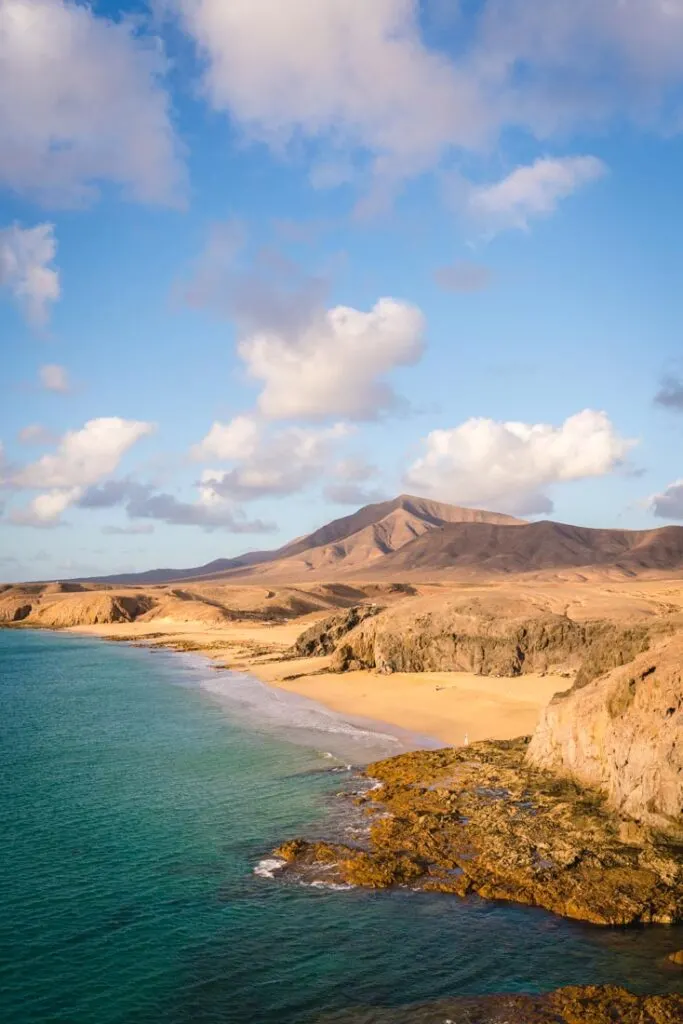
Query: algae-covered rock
[
  {"x": 481, "y": 819},
  {"x": 575, "y": 1005}
]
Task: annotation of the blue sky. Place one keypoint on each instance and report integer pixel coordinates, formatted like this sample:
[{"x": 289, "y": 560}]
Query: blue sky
[{"x": 261, "y": 263}]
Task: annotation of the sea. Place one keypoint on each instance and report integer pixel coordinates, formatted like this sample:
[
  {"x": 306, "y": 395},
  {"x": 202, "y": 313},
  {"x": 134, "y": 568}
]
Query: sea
[{"x": 141, "y": 793}]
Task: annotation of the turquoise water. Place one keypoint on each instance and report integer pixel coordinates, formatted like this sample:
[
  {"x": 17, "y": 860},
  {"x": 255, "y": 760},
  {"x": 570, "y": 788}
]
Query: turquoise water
[{"x": 135, "y": 801}]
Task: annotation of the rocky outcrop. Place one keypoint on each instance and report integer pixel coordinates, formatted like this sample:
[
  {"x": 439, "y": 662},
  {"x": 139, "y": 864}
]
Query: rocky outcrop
[
  {"x": 481, "y": 819},
  {"x": 575, "y": 1005},
  {"x": 14, "y": 609},
  {"x": 623, "y": 734},
  {"x": 90, "y": 608},
  {"x": 474, "y": 639},
  {"x": 323, "y": 637}
]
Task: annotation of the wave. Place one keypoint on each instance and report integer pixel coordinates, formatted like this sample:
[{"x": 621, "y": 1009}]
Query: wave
[
  {"x": 302, "y": 721},
  {"x": 269, "y": 866}
]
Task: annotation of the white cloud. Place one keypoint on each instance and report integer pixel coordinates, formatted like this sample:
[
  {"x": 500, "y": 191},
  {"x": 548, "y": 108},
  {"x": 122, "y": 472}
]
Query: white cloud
[
  {"x": 83, "y": 457},
  {"x": 211, "y": 511},
  {"x": 360, "y": 80},
  {"x": 336, "y": 365},
  {"x": 584, "y": 63},
  {"x": 46, "y": 509},
  {"x": 54, "y": 378},
  {"x": 227, "y": 441},
  {"x": 354, "y": 73},
  {"x": 283, "y": 463},
  {"x": 532, "y": 191},
  {"x": 25, "y": 270},
  {"x": 510, "y": 466},
  {"x": 669, "y": 504},
  {"x": 81, "y": 102}
]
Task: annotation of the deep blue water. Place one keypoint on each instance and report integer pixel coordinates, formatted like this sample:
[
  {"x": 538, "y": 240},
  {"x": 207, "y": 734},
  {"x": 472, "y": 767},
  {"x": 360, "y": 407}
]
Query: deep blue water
[{"x": 134, "y": 805}]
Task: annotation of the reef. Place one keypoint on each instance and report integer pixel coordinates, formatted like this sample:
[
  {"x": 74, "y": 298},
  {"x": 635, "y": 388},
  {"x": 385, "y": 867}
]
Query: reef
[
  {"x": 483, "y": 820},
  {"x": 584, "y": 1005}
]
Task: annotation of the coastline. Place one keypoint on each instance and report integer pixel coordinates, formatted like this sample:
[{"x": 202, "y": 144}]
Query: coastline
[{"x": 441, "y": 708}]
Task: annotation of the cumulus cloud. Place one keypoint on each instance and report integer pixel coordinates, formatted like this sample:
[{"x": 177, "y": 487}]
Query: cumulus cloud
[
  {"x": 26, "y": 255},
  {"x": 531, "y": 191},
  {"x": 142, "y": 501},
  {"x": 510, "y": 466},
  {"x": 361, "y": 81},
  {"x": 227, "y": 441},
  {"x": 282, "y": 463},
  {"x": 582, "y": 63},
  {"x": 670, "y": 394},
  {"x": 54, "y": 378},
  {"x": 669, "y": 504},
  {"x": 83, "y": 458},
  {"x": 463, "y": 277},
  {"x": 59, "y": 138},
  {"x": 353, "y": 73},
  {"x": 45, "y": 510},
  {"x": 337, "y": 365}
]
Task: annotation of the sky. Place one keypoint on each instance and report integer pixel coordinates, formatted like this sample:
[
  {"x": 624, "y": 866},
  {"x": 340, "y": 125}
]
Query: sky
[{"x": 263, "y": 262}]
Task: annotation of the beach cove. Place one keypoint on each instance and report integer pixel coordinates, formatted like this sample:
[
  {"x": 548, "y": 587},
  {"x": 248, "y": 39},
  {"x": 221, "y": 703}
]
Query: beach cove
[{"x": 139, "y": 806}]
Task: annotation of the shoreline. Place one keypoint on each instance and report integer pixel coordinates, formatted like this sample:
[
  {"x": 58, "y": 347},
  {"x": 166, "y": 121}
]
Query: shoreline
[
  {"x": 284, "y": 713},
  {"x": 441, "y": 708}
]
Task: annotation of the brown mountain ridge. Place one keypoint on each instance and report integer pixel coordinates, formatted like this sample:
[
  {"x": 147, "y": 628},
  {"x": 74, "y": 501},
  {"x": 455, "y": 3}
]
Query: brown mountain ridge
[{"x": 417, "y": 537}]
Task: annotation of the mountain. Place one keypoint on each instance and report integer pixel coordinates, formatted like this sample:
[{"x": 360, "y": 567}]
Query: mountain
[
  {"x": 413, "y": 536},
  {"x": 354, "y": 541},
  {"x": 537, "y": 546}
]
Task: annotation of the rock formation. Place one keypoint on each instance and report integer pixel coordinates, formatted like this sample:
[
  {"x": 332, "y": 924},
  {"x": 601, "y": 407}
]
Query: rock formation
[
  {"x": 481, "y": 819},
  {"x": 574, "y": 1005},
  {"x": 471, "y": 636},
  {"x": 623, "y": 734}
]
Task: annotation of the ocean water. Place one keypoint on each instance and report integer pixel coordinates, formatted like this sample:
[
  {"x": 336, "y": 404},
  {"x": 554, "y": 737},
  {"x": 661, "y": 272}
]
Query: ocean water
[{"x": 139, "y": 790}]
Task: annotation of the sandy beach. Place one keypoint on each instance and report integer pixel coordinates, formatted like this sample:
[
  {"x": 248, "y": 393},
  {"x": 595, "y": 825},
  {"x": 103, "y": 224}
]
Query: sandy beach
[{"x": 451, "y": 707}]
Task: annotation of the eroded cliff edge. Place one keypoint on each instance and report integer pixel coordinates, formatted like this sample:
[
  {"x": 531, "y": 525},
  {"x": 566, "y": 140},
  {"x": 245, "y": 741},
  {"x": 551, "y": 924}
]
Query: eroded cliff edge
[{"x": 623, "y": 734}]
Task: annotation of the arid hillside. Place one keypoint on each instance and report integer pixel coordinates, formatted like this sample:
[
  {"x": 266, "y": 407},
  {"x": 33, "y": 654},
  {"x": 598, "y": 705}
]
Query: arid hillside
[{"x": 416, "y": 539}]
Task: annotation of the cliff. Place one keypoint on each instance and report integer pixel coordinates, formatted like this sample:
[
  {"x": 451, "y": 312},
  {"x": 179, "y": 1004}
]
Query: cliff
[
  {"x": 480, "y": 637},
  {"x": 622, "y": 733}
]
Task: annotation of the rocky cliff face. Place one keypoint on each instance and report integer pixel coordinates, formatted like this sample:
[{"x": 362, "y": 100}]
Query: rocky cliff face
[
  {"x": 622, "y": 733},
  {"x": 472, "y": 639}
]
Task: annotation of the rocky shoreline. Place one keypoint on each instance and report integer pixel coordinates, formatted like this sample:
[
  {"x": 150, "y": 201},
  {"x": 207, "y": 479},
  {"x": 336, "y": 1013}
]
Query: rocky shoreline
[
  {"x": 481, "y": 819},
  {"x": 574, "y": 1005}
]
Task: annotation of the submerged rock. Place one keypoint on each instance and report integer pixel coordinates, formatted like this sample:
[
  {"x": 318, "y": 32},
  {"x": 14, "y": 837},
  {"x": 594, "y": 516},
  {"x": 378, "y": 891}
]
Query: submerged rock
[
  {"x": 584, "y": 1005},
  {"x": 482, "y": 820}
]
